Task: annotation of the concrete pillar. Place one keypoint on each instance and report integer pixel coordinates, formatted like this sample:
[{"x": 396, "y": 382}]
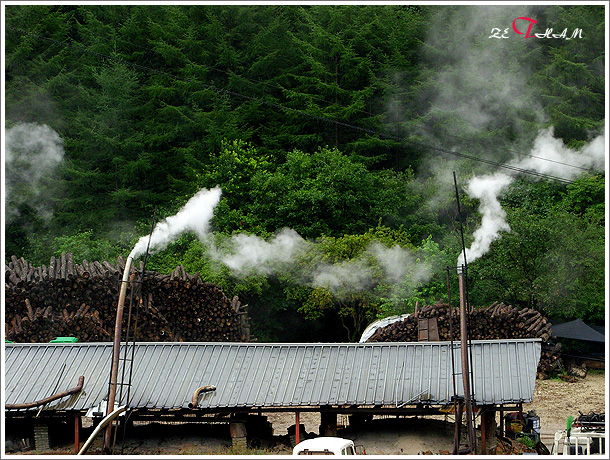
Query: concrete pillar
[
  {"x": 41, "y": 437},
  {"x": 238, "y": 434}
]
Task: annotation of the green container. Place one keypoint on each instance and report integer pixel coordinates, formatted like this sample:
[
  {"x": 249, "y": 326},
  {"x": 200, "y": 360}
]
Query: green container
[
  {"x": 64, "y": 340},
  {"x": 8, "y": 341}
]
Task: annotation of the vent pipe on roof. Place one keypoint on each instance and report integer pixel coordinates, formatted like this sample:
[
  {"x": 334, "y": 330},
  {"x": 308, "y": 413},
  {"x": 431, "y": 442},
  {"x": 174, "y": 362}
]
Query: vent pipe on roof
[{"x": 198, "y": 391}]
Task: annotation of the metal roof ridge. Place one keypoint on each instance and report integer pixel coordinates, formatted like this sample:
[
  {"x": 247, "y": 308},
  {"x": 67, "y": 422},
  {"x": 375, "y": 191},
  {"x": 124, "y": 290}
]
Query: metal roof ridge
[{"x": 276, "y": 344}]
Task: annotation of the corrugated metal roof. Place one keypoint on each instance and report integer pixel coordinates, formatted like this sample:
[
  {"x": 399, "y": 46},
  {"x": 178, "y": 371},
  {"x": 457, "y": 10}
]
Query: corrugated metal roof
[{"x": 247, "y": 375}]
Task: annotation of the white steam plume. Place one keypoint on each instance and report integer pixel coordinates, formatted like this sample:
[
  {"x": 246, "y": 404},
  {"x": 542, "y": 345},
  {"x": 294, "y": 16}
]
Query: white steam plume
[
  {"x": 287, "y": 251},
  {"x": 33, "y": 153},
  {"x": 194, "y": 216},
  {"x": 493, "y": 220},
  {"x": 548, "y": 156},
  {"x": 252, "y": 254}
]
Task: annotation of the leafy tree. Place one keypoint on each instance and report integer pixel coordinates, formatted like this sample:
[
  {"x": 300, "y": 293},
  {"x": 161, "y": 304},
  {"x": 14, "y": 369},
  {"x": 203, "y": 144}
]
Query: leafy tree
[
  {"x": 552, "y": 263},
  {"x": 571, "y": 76},
  {"x": 586, "y": 197},
  {"x": 326, "y": 193}
]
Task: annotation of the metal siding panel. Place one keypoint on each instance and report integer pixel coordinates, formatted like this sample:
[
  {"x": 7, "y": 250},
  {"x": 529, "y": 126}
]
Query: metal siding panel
[
  {"x": 234, "y": 378},
  {"x": 165, "y": 374},
  {"x": 386, "y": 354},
  {"x": 359, "y": 360},
  {"x": 310, "y": 375},
  {"x": 250, "y": 360},
  {"x": 287, "y": 377},
  {"x": 208, "y": 374},
  {"x": 275, "y": 377},
  {"x": 338, "y": 368},
  {"x": 298, "y": 387},
  {"x": 228, "y": 359},
  {"x": 346, "y": 381},
  {"x": 372, "y": 376},
  {"x": 326, "y": 354}
]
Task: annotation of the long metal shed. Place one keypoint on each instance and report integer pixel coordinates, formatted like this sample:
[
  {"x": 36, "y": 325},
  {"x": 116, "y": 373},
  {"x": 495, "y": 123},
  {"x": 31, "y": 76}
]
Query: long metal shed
[{"x": 252, "y": 376}]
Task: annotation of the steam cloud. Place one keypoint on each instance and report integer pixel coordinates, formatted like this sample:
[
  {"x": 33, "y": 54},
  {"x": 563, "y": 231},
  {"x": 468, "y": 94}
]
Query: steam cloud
[
  {"x": 194, "y": 216},
  {"x": 548, "y": 156},
  {"x": 33, "y": 154},
  {"x": 287, "y": 251},
  {"x": 483, "y": 86}
]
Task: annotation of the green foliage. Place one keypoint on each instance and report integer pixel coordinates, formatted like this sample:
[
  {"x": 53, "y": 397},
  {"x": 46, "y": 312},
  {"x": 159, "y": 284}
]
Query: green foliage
[
  {"x": 552, "y": 262},
  {"x": 315, "y": 118},
  {"x": 586, "y": 197},
  {"x": 84, "y": 246},
  {"x": 326, "y": 193}
]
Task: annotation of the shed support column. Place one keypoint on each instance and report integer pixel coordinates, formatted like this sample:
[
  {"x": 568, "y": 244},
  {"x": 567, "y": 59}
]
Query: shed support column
[
  {"x": 484, "y": 432},
  {"x": 297, "y": 431},
  {"x": 237, "y": 428},
  {"x": 41, "y": 437},
  {"x": 328, "y": 424},
  {"x": 77, "y": 426},
  {"x": 502, "y": 421},
  {"x": 458, "y": 426},
  {"x": 488, "y": 422}
]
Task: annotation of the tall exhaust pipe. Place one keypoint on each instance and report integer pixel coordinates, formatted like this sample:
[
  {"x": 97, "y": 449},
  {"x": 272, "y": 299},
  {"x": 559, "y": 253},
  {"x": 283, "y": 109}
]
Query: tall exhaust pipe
[
  {"x": 462, "y": 281},
  {"x": 116, "y": 348},
  {"x": 464, "y": 352}
]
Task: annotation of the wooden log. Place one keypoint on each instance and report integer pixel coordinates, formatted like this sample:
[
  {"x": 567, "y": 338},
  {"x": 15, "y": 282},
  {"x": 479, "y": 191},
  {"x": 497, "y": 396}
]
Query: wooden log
[{"x": 28, "y": 306}]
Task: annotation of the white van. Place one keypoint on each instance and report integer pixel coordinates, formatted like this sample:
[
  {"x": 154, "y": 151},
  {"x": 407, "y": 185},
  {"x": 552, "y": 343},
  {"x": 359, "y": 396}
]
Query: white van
[{"x": 326, "y": 446}]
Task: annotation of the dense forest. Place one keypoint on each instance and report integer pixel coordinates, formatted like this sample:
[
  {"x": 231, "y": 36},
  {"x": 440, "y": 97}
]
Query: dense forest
[{"x": 341, "y": 138}]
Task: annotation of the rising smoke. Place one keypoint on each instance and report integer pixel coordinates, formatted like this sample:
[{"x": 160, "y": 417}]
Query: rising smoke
[
  {"x": 289, "y": 252},
  {"x": 548, "y": 156},
  {"x": 482, "y": 90},
  {"x": 194, "y": 216},
  {"x": 286, "y": 252},
  {"x": 33, "y": 155}
]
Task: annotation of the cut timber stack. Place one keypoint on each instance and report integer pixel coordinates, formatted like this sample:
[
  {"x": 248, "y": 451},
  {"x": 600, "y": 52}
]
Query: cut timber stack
[
  {"x": 498, "y": 321},
  {"x": 68, "y": 299}
]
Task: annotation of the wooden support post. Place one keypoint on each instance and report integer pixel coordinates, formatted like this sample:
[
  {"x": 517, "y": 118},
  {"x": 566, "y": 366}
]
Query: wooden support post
[
  {"x": 458, "y": 427},
  {"x": 488, "y": 429},
  {"x": 238, "y": 434},
  {"x": 77, "y": 426},
  {"x": 297, "y": 433},
  {"x": 502, "y": 421},
  {"x": 520, "y": 411},
  {"x": 484, "y": 423}
]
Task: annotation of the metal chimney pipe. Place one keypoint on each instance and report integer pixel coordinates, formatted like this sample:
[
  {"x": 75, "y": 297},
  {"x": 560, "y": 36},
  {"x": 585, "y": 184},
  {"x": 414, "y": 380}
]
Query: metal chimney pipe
[
  {"x": 464, "y": 352},
  {"x": 116, "y": 348}
]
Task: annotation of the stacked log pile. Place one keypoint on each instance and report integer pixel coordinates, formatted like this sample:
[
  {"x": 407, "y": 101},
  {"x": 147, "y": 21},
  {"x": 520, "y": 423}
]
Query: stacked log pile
[
  {"x": 498, "y": 321},
  {"x": 80, "y": 300}
]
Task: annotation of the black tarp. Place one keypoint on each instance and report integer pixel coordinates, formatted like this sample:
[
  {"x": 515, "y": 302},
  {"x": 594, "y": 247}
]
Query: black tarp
[{"x": 576, "y": 330}]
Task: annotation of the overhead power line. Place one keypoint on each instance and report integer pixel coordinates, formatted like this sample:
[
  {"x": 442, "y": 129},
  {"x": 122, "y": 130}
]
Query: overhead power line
[{"x": 297, "y": 111}]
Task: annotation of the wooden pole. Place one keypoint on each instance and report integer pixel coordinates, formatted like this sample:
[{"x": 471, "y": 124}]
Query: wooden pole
[
  {"x": 77, "y": 424},
  {"x": 484, "y": 423},
  {"x": 297, "y": 432},
  {"x": 458, "y": 427}
]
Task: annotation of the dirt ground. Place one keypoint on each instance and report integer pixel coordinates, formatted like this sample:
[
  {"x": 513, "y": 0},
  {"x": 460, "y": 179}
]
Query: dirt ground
[{"x": 554, "y": 401}]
